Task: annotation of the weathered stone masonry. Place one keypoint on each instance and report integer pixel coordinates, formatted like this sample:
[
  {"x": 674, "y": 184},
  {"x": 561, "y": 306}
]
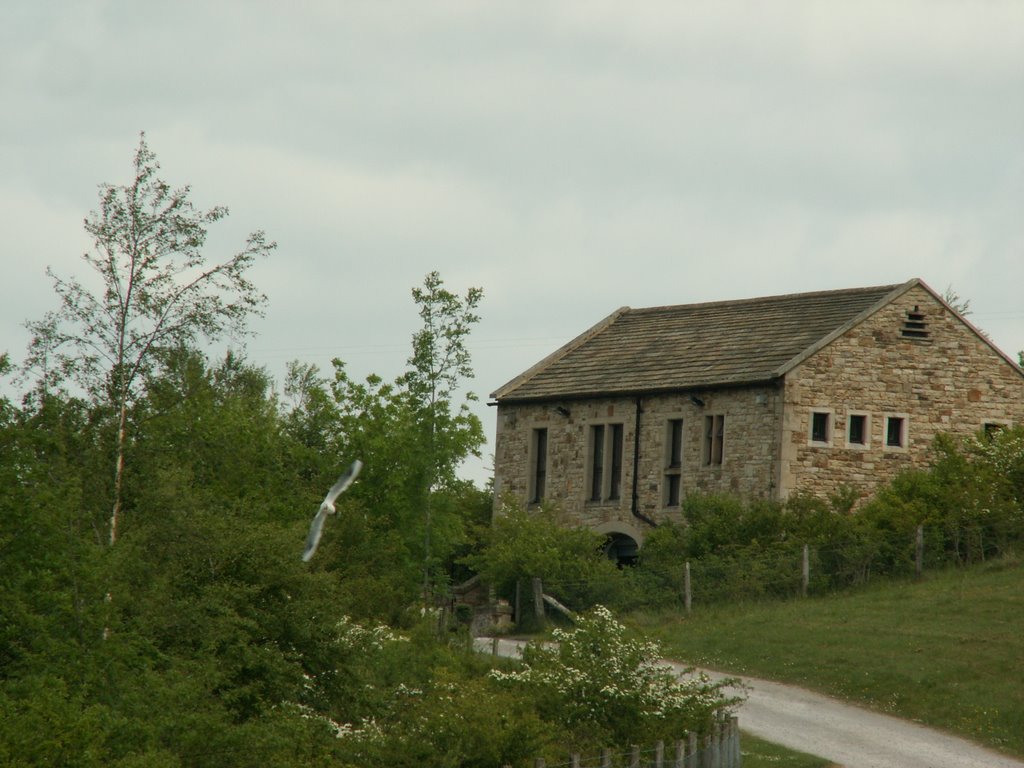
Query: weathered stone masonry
[
  {"x": 899, "y": 366},
  {"x": 950, "y": 381},
  {"x": 748, "y": 465}
]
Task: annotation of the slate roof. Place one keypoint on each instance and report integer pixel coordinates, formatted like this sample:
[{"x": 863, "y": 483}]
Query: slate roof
[{"x": 693, "y": 346}]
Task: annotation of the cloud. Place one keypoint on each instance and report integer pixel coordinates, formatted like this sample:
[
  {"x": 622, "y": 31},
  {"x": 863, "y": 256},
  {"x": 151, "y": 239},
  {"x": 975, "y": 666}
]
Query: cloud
[{"x": 568, "y": 157}]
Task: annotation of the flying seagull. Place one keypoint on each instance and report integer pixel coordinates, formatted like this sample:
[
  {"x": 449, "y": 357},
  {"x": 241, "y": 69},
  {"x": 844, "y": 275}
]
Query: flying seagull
[{"x": 327, "y": 508}]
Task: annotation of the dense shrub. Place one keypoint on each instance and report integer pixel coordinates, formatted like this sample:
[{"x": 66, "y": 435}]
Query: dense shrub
[
  {"x": 600, "y": 686},
  {"x": 522, "y": 545},
  {"x": 968, "y": 502}
]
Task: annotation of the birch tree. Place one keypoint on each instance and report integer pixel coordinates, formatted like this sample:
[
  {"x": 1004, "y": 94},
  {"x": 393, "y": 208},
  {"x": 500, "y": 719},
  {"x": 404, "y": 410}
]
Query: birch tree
[
  {"x": 157, "y": 291},
  {"x": 439, "y": 363}
]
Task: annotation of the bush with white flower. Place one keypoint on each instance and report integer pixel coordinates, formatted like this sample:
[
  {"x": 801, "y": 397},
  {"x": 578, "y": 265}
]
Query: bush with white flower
[{"x": 604, "y": 687}]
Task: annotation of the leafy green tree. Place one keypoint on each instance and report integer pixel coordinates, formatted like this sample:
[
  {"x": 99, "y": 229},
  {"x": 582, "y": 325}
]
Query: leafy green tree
[
  {"x": 412, "y": 434},
  {"x": 231, "y": 651},
  {"x": 440, "y": 362},
  {"x": 159, "y": 291},
  {"x": 524, "y": 544}
]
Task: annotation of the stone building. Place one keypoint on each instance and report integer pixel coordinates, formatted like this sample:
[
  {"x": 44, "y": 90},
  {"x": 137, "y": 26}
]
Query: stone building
[{"x": 762, "y": 398}]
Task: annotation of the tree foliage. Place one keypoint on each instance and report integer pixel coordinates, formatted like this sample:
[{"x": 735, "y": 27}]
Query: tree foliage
[
  {"x": 520, "y": 545},
  {"x": 223, "y": 647},
  {"x": 158, "y": 291},
  {"x": 412, "y": 433}
]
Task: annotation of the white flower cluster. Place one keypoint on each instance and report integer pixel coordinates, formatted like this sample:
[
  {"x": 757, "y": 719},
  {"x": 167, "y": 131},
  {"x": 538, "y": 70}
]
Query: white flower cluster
[
  {"x": 355, "y": 636},
  {"x": 369, "y": 730},
  {"x": 595, "y": 671},
  {"x": 1004, "y": 454}
]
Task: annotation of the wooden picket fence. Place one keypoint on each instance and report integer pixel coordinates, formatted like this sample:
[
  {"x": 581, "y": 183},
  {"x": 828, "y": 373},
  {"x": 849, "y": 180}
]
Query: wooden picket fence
[{"x": 719, "y": 748}]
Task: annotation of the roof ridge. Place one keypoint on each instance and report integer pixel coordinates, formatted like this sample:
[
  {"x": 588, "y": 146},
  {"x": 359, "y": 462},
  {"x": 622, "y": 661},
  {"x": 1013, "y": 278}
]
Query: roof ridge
[
  {"x": 727, "y": 343},
  {"x": 773, "y": 297}
]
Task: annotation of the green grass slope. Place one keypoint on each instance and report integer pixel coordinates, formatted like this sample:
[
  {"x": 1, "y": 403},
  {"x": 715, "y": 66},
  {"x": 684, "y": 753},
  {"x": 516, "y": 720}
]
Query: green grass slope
[{"x": 947, "y": 651}]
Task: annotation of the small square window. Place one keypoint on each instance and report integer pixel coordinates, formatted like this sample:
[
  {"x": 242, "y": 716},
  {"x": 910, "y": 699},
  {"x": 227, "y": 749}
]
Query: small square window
[
  {"x": 857, "y": 429},
  {"x": 993, "y": 428},
  {"x": 821, "y": 427},
  {"x": 896, "y": 432}
]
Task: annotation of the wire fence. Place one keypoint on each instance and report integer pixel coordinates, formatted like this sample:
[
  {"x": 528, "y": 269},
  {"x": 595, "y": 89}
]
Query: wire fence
[{"x": 787, "y": 568}]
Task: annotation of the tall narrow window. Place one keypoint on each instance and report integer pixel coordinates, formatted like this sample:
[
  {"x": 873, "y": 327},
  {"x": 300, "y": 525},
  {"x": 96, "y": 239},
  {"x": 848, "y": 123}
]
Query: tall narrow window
[
  {"x": 596, "y": 462},
  {"x": 606, "y": 462},
  {"x": 672, "y": 492},
  {"x": 539, "y": 465},
  {"x": 675, "y": 443},
  {"x": 714, "y": 439},
  {"x": 615, "y": 481}
]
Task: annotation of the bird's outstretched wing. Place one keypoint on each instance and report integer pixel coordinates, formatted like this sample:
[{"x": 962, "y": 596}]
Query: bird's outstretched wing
[
  {"x": 343, "y": 482},
  {"x": 316, "y": 528}
]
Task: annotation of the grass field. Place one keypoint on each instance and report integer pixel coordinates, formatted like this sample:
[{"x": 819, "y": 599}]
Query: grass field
[
  {"x": 947, "y": 651},
  {"x": 758, "y": 753}
]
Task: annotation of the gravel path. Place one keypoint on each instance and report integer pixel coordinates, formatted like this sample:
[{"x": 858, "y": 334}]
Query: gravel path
[{"x": 849, "y": 736}]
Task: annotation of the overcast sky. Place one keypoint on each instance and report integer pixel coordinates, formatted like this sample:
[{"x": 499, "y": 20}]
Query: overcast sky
[{"x": 567, "y": 157}]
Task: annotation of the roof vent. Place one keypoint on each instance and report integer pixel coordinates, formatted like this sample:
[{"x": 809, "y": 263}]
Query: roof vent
[{"x": 914, "y": 327}]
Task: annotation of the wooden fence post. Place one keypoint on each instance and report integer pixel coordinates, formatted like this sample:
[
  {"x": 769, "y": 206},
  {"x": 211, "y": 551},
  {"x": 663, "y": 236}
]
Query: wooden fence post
[
  {"x": 805, "y": 572},
  {"x": 725, "y": 751},
  {"x": 659, "y": 754},
  {"x": 494, "y": 646},
  {"x": 680, "y": 759},
  {"x": 606, "y": 757},
  {"x": 692, "y": 751},
  {"x": 634, "y": 756},
  {"x": 687, "y": 594},
  {"x": 737, "y": 755},
  {"x": 574, "y": 760},
  {"x": 538, "y": 599},
  {"x": 919, "y": 551},
  {"x": 539, "y": 762}
]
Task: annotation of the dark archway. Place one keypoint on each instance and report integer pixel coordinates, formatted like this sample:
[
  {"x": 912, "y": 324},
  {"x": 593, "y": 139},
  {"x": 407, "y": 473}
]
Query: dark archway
[{"x": 622, "y": 549}]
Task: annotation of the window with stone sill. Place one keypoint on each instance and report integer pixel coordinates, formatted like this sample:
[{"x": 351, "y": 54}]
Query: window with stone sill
[
  {"x": 538, "y": 465},
  {"x": 820, "y": 427},
  {"x": 605, "y": 470},
  {"x": 896, "y": 432},
  {"x": 858, "y": 430},
  {"x": 672, "y": 478}
]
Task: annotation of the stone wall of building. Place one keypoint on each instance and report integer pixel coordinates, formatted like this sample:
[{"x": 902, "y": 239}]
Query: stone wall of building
[
  {"x": 948, "y": 380},
  {"x": 749, "y": 465},
  {"x": 567, "y": 453}
]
